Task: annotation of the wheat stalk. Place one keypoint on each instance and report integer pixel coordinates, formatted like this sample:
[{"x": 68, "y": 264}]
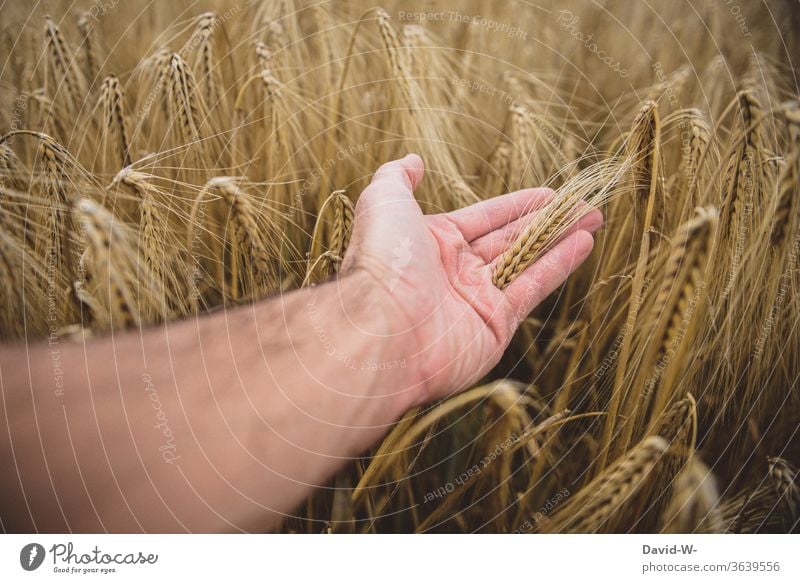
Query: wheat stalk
[
  {"x": 643, "y": 149},
  {"x": 185, "y": 106},
  {"x": 329, "y": 256},
  {"x": 694, "y": 506},
  {"x": 11, "y": 284},
  {"x": 201, "y": 44},
  {"x": 500, "y": 163},
  {"x": 675, "y": 312},
  {"x": 91, "y": 62},
  {"x": 784, "y": 479},
  {"x": 600, "y": 502},
  {"x": 111, "y": 104},
  {"x": 103, "y": 238},
  {"x": 248, "y": 242},
  {"x": 578, "y": 196},
  {"x": 699, "y": 142},
  {"x": 265, "y": 55},
  {"x": 57, "y": 217},
  {"x": 343, "y": 214},
  {"x": 153, "y": 227},
  {"x": 786, "y": 199},
  {"x": 741, "y": 170},
  {"x": 771, "y": 504},
  {"x": 64, "y": 70},
  {"x": 391, "y": 44}
]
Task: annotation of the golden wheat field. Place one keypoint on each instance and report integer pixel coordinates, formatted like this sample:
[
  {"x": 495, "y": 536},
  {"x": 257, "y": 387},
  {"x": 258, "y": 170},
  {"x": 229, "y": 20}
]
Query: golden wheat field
[{"x": 160, "y": 160}]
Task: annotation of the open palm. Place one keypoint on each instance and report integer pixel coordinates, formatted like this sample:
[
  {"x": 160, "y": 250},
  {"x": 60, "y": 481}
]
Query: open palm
[{"x": 437, "y": 271}]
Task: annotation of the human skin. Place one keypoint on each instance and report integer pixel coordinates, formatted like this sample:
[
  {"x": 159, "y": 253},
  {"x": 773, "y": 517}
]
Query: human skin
[{"x": 227, "y": 421}]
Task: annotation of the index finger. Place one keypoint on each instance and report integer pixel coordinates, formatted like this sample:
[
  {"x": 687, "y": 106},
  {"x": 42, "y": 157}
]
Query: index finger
[{"x": 484, "y": 217}]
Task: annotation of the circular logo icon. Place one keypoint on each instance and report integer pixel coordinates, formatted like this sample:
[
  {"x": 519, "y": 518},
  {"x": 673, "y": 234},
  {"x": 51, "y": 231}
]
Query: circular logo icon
[{"x": 31, "y": 556}]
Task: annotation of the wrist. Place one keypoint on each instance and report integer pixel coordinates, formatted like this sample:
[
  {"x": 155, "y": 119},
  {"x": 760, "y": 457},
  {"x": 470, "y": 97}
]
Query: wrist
[{"x": 396, "y": 355}]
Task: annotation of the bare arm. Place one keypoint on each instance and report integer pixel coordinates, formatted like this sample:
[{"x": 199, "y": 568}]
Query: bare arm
[
  {"x": 226, "y": 422},
  {"x": 200, "y": 425}
]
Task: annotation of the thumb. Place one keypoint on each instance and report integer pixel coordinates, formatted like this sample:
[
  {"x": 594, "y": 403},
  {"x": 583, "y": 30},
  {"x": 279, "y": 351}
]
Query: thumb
[
  {"x": 406, "y": 172},
  {"x": 387, "y": 214},
  {"x": 392, "y": 189}
]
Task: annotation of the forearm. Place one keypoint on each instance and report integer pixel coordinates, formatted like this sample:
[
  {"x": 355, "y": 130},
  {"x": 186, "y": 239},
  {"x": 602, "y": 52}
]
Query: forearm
[{"x": 218, "y": 423}]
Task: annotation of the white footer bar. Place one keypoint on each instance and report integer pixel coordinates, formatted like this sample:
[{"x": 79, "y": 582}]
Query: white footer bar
[{"x": 400, "y": 558}]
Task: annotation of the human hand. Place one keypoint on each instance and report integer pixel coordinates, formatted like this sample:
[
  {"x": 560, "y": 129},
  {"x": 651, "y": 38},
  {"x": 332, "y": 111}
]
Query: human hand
[{"x": 436, "y": 273}]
